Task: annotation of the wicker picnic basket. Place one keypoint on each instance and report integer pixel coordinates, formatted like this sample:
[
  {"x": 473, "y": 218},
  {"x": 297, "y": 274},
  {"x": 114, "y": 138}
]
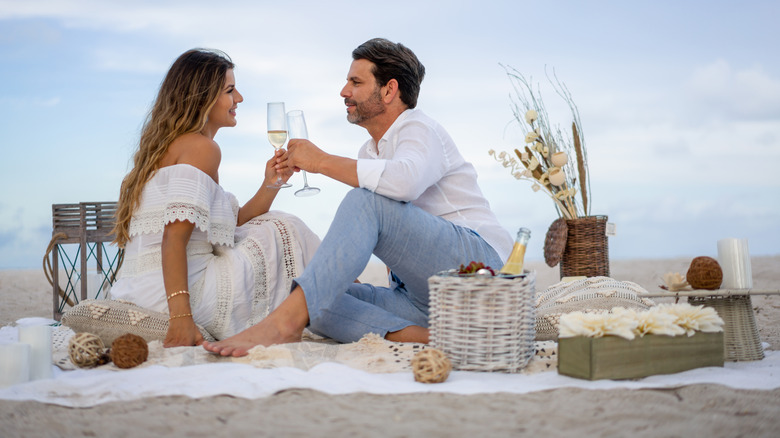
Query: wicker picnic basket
[
  {"x": 587, "y": 250},
  {"x": 483, "y": 323}
]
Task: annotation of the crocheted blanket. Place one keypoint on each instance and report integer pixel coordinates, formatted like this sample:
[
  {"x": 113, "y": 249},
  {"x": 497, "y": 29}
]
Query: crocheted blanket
[{"x": 372, "y": 354}]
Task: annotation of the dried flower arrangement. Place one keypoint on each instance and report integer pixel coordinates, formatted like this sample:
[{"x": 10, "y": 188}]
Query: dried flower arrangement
[
  {"x": 555, "y": 163},
  {"x": 664, "y": 319}
]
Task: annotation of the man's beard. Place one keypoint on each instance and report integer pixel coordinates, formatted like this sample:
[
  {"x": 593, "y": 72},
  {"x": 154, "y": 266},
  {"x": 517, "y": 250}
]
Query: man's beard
[{"x": 367, "y": 109}]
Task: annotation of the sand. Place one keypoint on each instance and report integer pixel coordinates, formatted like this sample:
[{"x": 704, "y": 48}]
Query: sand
[{"x": 691, "y": 411}]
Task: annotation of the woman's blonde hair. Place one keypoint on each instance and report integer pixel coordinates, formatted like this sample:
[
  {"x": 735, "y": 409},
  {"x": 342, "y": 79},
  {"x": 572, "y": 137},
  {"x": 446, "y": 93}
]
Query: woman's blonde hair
[{"x": 187, "y": 94}]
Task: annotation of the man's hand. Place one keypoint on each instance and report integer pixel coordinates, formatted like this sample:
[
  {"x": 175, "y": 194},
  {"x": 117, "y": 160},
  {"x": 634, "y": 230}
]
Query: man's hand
[{"x": 304, "y": 155}]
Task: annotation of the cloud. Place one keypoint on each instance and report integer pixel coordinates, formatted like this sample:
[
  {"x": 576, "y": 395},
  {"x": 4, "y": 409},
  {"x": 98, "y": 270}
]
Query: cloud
[
  {"x": 128, "y": 60},
  {"x": 749, "y": 93},
  {"x": 696, "y": 124},
  {"x": 96, "y": 14},
  {"x": 35, "y": 102},
  {"x": 7, "y": 238},
  {"x": 21, "y": 247},
  {"x": 30, "y": 33}
]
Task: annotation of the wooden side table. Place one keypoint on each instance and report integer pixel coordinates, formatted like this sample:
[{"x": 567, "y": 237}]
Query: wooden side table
[
  {"x": 740, "y": 333},
  {"x": 86, "y": 227}
]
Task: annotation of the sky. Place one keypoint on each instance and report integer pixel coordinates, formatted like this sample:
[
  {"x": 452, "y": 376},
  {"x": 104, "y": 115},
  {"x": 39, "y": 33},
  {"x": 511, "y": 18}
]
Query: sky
[{"x": 679, "y": 103}]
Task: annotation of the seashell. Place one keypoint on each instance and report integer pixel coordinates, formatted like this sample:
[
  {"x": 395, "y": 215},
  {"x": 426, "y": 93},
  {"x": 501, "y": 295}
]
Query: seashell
[
  {"x": 560, "y": 159},
  {"x": 557, "y": 177},
  {"x": 675, "y": 282}
]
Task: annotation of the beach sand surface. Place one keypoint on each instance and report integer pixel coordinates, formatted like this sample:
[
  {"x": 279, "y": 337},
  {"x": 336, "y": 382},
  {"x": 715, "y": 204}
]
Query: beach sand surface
[{"x": 702, "y": 410}]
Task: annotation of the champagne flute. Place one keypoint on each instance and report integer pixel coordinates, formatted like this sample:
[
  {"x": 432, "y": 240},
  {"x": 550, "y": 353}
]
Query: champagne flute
[
  {"x": 277, "y": 134},
  {"x": 296, "y": 123}
]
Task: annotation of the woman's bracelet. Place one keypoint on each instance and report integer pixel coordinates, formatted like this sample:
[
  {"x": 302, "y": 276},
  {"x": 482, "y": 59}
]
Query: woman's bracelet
[
  {"x": 178, "y": 293},
  {"x": 183, "y": 315}
]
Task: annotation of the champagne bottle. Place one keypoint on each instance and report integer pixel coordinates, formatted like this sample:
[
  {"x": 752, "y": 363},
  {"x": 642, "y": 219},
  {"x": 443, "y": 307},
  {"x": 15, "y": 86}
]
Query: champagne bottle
[{"x": 514, "y": 265}]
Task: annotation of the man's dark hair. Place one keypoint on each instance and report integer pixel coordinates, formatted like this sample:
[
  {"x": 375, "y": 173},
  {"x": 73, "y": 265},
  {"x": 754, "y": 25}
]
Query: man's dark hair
[{"x": 393, "y": 61}]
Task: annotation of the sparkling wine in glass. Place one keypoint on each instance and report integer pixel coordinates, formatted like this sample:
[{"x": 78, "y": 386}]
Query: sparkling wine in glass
[
  {"x": 277, "y": 134},
  {"x": 296, "y": 125}
]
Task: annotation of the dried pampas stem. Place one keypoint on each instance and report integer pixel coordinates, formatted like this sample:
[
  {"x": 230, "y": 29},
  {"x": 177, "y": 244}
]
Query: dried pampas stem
[{"x": 581, "y": 168}]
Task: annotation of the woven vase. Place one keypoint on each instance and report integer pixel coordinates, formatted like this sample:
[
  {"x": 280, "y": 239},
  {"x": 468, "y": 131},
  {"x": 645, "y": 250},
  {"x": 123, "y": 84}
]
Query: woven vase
[{"x": 587, "y": 249}]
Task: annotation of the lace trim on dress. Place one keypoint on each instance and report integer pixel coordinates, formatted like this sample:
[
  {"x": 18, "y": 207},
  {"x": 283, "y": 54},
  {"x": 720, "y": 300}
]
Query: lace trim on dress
[
  {"x": 220, "y": 322},
  {"x": 151, "y": 261},
  {"x": 146, "y": 222},
  {"x": 185, "y": 193},
  {"x": 285, "y": 240},
  {"x": 183, "y": 211},
  {"x": 196, "y": 294},
  {"x": 261, "y": 301},
  {"x": 154, "y": 221}
]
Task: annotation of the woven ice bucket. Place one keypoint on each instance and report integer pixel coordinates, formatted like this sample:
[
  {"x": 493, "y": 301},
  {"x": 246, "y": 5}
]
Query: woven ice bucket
[
  {"x": 483, "y": 323},
  {"x": 587, "y": 249}
]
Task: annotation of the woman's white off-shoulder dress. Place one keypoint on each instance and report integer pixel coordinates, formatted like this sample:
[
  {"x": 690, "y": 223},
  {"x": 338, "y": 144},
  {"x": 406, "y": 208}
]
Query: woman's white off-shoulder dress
[{"x": 237, "y": 275}]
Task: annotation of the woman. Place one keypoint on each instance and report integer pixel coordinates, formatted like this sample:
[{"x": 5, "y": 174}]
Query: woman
[{"x": 189, "y": 249}]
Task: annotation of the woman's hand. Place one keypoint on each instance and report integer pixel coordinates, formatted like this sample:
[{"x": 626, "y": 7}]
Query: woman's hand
[
  {"x": 182, "y": 332},
  {"x": 276, "y": 166}
]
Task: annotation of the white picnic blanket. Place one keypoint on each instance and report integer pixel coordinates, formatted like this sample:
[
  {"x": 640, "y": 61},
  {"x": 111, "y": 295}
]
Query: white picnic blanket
[{"x": 344, "y": 373}]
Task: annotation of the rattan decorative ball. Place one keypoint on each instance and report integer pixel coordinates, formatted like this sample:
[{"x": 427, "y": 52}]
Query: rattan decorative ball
[
  {"x": 129, "y": 350},
  {"x": 555, "y": 242},
  {"x": 431, "y": 366},
  {"x": 704, "y": 273},
  {"x": 87, "y": 350}
]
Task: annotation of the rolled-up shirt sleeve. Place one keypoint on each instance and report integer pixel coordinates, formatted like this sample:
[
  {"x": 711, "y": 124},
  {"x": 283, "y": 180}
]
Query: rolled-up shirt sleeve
[
  {"x": 410, "y": 159},
  {"x": 369, "y": 172}
]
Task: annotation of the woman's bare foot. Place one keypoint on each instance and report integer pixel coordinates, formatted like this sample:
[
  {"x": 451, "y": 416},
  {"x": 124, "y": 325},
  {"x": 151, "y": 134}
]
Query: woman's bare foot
[
  {"x": 283, "y": 325},
  {"x": 262, "y": 333}
]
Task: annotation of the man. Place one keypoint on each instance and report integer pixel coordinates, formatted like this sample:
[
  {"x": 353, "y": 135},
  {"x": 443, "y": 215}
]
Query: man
[{"x": 416, "y": 205}]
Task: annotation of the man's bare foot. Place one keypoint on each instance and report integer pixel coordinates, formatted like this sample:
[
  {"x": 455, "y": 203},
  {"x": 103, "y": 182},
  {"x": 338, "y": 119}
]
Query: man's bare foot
[
  {"x": 283, "y": 325},
  {"x": 412, "y": 333}
]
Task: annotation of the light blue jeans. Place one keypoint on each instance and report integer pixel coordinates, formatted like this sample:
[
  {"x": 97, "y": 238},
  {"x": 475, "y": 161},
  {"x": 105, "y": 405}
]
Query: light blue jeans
[{"x": 413, "y": 243}]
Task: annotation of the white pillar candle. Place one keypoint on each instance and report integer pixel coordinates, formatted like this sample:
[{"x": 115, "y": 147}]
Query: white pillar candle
[
  {"x": 14, "y": 364},
  {"x": 39, "y": 339},
  {"x": 734, "y": 260}
]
